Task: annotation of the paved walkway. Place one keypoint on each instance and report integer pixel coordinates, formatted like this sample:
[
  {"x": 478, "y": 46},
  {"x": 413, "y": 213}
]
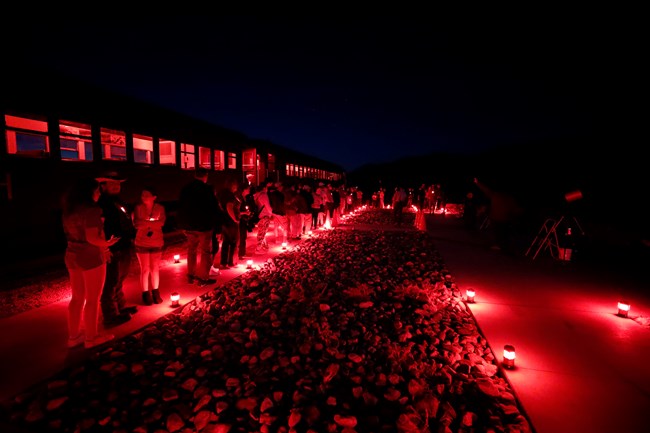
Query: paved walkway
[{"x": 579, "y": 367}]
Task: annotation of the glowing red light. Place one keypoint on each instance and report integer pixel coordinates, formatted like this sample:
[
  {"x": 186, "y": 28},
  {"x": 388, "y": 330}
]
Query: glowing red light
[
  {"x": 508, "y": 356},
  {"x": 470, "y": 295},
  {"x": 177, "y": 258},
  {"x": 175, "y": 298},
  {"x": 623, "y": 308}
]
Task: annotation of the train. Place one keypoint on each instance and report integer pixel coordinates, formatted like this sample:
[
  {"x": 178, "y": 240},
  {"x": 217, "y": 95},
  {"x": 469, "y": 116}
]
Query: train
[{"x": 56, "y": 128}]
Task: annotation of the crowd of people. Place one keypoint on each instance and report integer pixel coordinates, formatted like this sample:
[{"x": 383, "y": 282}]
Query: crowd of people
[{"x": 103, "y": 234}]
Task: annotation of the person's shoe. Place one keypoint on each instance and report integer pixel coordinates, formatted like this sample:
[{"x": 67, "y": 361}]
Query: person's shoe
[
  {"x": 146, "y": 298},
  {"x": 117, "y": 320},
  {"x": 206, "y": 282},
  {"x": 155, "y": 296},
  {"x": 129, "y": 310},
  {"x": 224, "y": 267},
  {"x": 191, "y": 279},
  {"x": 214, "y": 271},
  {"x": 76, "y": 341},
  {"x": 99, "y": 339}
]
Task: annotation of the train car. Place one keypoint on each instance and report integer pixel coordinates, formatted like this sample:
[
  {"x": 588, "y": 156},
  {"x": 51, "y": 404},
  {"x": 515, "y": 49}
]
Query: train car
[{"x": 56, "y": 129}]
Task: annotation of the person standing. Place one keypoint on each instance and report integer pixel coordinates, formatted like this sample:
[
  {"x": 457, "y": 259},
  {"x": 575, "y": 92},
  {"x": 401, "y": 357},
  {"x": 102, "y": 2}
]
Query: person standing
[
  {"x": 265, "y": 214},
  {"x": 149, "y": 219},
  {"x": 504, "y": 212},
  {"x": 304, "y": 202},
  {"x": 117, "y": 223},
  {"x": 293, "y": 218},
  {"x": 247, "y": 209},
  {"x": 317, "y": 207},
  {"x": 230, "y": 227},
  {"x": 328, "y": 205},
  {"x": 198, "y": 214},
  {"x": 85, "y": 259},
  {"x": 399, "y": 201},
  {"x": 279, "y": 217}
]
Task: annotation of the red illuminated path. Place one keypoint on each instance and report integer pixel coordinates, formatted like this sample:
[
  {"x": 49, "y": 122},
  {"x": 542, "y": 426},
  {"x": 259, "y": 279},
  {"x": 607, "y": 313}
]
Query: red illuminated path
[{"x": 579, "y": 367}]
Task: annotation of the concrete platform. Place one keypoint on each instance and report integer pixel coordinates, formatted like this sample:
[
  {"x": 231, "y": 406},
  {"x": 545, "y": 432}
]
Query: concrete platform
[{"x": 579, "y": 367}]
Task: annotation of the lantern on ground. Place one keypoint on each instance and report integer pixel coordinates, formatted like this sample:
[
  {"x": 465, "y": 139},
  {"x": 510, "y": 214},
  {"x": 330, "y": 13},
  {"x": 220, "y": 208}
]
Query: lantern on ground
[
  {"x": 284, "y": 245},
  {"x": 176, "y": 299},
  {"x": 623, "y": 308},
  {"x": 177, "y": 258},
  {"x": 249, "y": 264},
  {"x": 470, "y": 295},
  {"x": 509, "y": 356}
]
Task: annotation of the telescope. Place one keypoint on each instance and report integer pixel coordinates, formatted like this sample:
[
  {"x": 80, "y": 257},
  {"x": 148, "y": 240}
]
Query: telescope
[{"x": 547, "y": 237}]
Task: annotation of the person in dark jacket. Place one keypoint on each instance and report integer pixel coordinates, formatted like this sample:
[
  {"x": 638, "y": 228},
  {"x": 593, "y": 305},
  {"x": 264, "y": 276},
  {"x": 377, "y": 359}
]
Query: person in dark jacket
[
  {"x": 248, "y": 210},
  {"x": 229, "y": 201},
  {"x": 304, "y": 202},
  {"x": 117, "y": 224},
  {"x": 504, "y": 211},
  {"x": 276, "y": 198},
  {"x": 198, "y": 214}
]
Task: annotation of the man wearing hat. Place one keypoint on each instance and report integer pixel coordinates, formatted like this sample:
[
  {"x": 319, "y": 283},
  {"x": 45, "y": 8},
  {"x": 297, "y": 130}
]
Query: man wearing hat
[{"x": 118, "y": 223}]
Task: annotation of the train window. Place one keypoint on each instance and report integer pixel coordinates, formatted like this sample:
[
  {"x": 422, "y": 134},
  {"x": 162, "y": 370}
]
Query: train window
[
  {"x": 219, "y": 163},
  {"x": 113, "y": 144},
  {"x": 26, "y": 136},
  {"x": 205, "y": 157},
  {"x": 167, "y": 152},
  {"x": 248, "y": 159},
  {"x": 232, "y": 160},
  {"x": 142, "y": 149},
  {"x": 187, "y": 156},
  {"x": 76, "y": 141}
]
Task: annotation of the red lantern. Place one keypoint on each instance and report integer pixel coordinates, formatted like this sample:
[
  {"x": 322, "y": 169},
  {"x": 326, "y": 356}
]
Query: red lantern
[
  {"x": 470, "y": 295},
  {"x": 623, "y": 308},
  {"x": 177, "y": 258},
  {"x": 249, "y": 264},
  {"x": 176, "y": 299},
  {"x": 509, "y": 356}
]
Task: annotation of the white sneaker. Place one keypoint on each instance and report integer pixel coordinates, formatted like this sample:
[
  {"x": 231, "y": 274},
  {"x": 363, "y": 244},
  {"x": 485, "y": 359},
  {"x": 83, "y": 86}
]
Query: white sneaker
[{"x": 214, "y": 271}]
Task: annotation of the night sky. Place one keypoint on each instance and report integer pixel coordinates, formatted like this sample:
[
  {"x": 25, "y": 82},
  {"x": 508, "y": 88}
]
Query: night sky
[{"x": 365, "y": 90}]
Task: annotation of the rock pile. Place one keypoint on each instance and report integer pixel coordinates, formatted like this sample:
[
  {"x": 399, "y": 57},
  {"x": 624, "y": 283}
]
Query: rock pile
[{"x": 349, "y": 331}]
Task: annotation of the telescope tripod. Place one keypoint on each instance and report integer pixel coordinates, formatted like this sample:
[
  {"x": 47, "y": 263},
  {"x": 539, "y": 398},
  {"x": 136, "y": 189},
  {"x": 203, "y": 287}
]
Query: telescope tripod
[{"x": 547, "y": 237}]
